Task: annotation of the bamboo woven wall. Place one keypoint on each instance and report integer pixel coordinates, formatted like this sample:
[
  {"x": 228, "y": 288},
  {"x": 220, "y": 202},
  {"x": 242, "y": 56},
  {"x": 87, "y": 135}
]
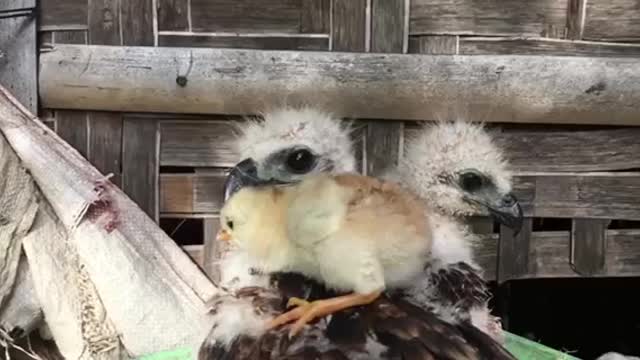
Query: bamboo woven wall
[{"x": 572, "y": 180}]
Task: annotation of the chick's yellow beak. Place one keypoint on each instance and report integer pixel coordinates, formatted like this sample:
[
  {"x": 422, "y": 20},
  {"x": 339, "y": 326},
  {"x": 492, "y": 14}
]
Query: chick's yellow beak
[{"x": 223, "y": 235}]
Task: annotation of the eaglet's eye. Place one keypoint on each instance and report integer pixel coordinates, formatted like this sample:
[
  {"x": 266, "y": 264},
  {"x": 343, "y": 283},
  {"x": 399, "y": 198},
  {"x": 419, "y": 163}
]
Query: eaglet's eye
[
  {"x": 230, "y": 224},
  {"x": 471, "y": 181},
  {"x": 300, "y": 161}
]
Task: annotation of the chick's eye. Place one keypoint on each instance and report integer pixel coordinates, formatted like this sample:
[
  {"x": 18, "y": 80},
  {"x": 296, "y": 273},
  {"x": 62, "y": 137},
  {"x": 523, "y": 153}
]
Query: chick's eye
[
  {"x": 230, "y": 224},
  {"x": 471, "y": 181},
  {"x": 300, "y": 161}
]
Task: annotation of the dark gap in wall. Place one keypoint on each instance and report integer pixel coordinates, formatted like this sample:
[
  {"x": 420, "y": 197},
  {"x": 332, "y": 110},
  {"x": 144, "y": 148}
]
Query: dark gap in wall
[
  {"x": 590, "y": 316},
  {"x": 624, "y": 224},
  {"x": 177, "y": 170},
  {"x": 184, "y": 231},
  {"x": 551, "y": 224}
]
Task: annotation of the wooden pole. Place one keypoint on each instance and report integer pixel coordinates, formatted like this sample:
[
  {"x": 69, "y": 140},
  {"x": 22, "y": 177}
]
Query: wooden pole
[{"x": 550, "y": 89}]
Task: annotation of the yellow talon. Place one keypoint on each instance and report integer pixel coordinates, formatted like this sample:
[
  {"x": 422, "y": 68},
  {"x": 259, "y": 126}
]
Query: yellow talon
[{"x": 297, "y": 302}]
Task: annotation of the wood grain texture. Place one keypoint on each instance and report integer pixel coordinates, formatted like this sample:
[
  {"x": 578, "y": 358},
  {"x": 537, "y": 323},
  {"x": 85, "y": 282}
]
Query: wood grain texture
[
  {"x": 566, "y": 150},
  {"x": 613, "y": 20},
  {"x": 575, "y": 19},
  {"x": 488, "y": 17},
  {"x": 246, "y": 15},
  {"x": 519, "y": 46},
  {"x": 191, "y": 193},
  {"x": 173, "y": 15},
  {"x": 105, "y": 143},
  {"x": 140, "y": 163},
  {"x": 246, "y": 42},
  {"x": 348, "y": 31},
  {"x": 552, "y": 255},
  {"x": 213, "y": 249},
  {"x": 208, "y": 144},
  {"x": 384, "y": 139},
  {"x": 19, "y": 59},
  {"x": 315, "y": 16},
  {"x": 70, "y": 37},
  {"x": 358, "y": 139},
  {"x": 198, "y": 144},
  {"x": 387, "y": 26},
  {"x": 588, "y": 246},
  {"x": 62, "y": 13},
  {"x": 137, "y": 22},
  {"x": 589, "y": 195},
  {"x": 17, "y": 4},
  {"x": 104, "y": 22},
  {"x": 514, "y": 252},
  {"x": 434, "y": 44},
  {"x": 72, "y": 127},
  {"x": 375, "y": 86}
]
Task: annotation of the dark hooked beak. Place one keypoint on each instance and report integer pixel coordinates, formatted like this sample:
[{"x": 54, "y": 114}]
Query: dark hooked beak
[
  {"x": 244, "y": 173},
  {"x": 507, "y": 211}
]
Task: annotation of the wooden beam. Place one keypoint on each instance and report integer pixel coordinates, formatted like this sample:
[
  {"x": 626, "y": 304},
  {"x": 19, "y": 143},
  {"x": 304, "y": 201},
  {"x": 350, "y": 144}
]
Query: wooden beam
[{"x": 376, "y": 86}]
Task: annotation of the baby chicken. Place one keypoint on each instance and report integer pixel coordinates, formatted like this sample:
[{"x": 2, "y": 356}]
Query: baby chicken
[{"x": 354, "y": 233}]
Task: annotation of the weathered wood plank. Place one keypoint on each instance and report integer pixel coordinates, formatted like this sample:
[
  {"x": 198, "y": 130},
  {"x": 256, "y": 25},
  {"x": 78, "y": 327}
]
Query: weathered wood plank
[
  {"x": 19, "y": 59},
  {"x": 588, "y": 246},
  {"x": 516, "y": 254},
  {"x": 575, "y": 19},
  {"x": 315, "y": 16},
  {"x": 62, "y": 13},
  {"x": 246, "y": 42},
  {"x": 72, "y": 126},
  {"x": 588, "y": 195},
  {"x": 140, "y": 163},
  {"x": 540, "y": 46},
  {"x": 17, "y": 4},
  {"x": 358, "y": 139},
  {"x": 197, "y": 143},
  {"x": 189, "y": 143},
  {"x": 70, "y": 37},
  {"x": 598, "y": 196},
  {"x": 434, "y": 44},
  {"x": 348, "y": 31},
  {"x": 105, "y": 143},
  {"x": 613, "y": 20},
  {"x": 488, "y": 17},
  {"x": 566, "y": 151},
  {"x": 384, "y": 138},
  {"x": 173, "y": 15},
  {"x": 191, "y": 193},
  {"x": 251, "y": 16},
  {"x": 387, "y": 26},
  {"x": 104, "y": 22},
  {"x": 137, "y": 22},
  {"x": 552, "y": 258},
  {"x": 375, "y": 86}
]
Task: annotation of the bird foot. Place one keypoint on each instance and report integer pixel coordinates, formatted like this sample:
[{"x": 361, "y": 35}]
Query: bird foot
[{"x": 304, "y": 311}]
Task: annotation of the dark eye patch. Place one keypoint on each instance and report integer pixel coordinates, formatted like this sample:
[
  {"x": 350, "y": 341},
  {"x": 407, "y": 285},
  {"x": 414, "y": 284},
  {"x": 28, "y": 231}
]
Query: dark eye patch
[
  {"x": 230, "y": 224},
  {"x": 471, "y": 181},
  {"x": 300, "y": 161}
]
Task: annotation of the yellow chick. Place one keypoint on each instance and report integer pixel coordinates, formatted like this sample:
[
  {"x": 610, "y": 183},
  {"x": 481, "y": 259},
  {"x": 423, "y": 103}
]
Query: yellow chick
[{"x": 354, "y": 233}]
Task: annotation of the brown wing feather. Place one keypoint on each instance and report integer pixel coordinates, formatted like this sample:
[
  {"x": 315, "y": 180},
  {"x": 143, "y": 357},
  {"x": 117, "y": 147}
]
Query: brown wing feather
[{"x": 402, "y": 329}]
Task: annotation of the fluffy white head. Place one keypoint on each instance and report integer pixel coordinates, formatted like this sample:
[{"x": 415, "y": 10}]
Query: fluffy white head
[
  {"x": 287, "y": 144},
  {"x": 290, "y": 143},
  {"x": 444, "y": 159}
]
